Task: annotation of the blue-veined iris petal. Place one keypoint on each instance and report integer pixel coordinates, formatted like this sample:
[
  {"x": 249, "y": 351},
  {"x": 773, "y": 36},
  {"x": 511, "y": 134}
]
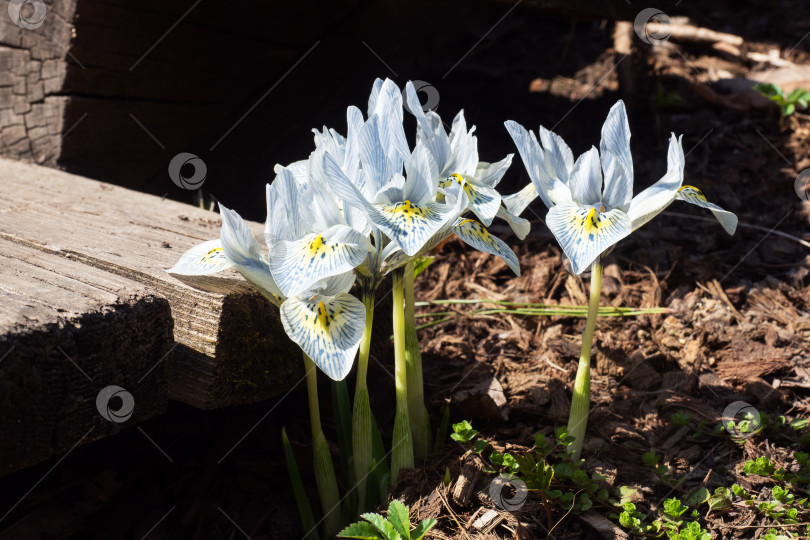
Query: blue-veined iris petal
[
  {"x": 327, "y": 328},
  {"x": 584, "y": 233},
  {"x": 296, "y": 265},
  {"x": 474, "y": 234}
]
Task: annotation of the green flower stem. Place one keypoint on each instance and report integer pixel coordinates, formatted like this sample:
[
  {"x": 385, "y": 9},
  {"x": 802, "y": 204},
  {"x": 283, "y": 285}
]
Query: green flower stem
[
  {"x": 581, "y": 400},
  {"x": 402, "y": 444},
  {"x": 361, "y": 414},
  {"x": 420, "y": 421},
  {"x": 322, "y": 458}
]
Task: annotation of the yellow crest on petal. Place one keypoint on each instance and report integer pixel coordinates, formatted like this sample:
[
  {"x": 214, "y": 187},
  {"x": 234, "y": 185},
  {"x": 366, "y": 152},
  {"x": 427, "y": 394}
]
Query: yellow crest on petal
[
  {"x": 202, "y": 259},
  {"x": 692, "y": 194}
]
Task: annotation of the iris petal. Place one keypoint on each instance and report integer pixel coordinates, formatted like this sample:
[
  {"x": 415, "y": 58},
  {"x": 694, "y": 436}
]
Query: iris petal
[
  {"x": 559, "y": 158},
  {"x": 202, "y": 260},
  {"x": 484, "y": 201},
  {"x": 518, "y": 202},
  {"x": 242, "y": 250},
  {"x": 394, "y": 257},
  {"x": 584, "y": 233},
  {"x": 618, "y": 190},
  {"x": 298, "y": 264},
  {"x": 422, "y": 173},
  {"x": 653, "y": 200},
  {"x": 490, "y": 174},
  {"x": 585, "y": 180},
  {"x": 616, "y": 141},
  {"x": 434, "y": 137},
  {"x": 694, "y": 196},
  {"x": 474, "y": 234},
  {"x": 520, "y": 226},
  {"x": 408, "y": 224},
  {"x": 328, "y": 330},
  {"x": 533, "y": 159}
]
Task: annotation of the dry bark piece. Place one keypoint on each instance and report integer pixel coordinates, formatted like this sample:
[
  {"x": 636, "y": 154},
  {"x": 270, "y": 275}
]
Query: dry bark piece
[
  {"x": 488, "y": 520},
  {"x": 540, "y": 396},
  {"x": 623, "y": 35},
  {"x": 464, "y": 486},
  {"x": 675, "y": 438},
  {"x": 691, "y": 33},
  {"x": 678, "y": 381},
  {"x": 636, "y": 373},
  {"x": 602, "y": 525},
  {"x": 788, "y": 78},
  {"x": 558, "y": 411},
  {"x": 710, "y": 382},
  {"x": 486, "y": 401},
  {"x": 766, "y": 395}
]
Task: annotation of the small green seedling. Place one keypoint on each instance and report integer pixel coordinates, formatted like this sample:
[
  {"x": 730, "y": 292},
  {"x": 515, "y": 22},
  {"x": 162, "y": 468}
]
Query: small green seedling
[
  {"x": 773, "y": 535},
  {"x": 547, "y": 470},
  {"x": 692, "y": 531},
  {"x": 396, "y": 527},
  {"x": 674, "y": 508},
  {"x": 679, "y": 418},
  {"x": 787, "y": 103},
  {"x": 762, "y": 466},
  {"x": 463, "y": 432}
]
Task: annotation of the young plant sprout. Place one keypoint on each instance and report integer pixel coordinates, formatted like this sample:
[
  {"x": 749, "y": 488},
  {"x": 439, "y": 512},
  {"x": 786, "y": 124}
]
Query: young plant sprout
[{"x": 591, "y": 208}]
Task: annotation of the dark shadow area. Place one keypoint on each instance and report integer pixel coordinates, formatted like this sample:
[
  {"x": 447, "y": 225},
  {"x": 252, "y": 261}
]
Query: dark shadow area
[{"x": 244, "y": 96}]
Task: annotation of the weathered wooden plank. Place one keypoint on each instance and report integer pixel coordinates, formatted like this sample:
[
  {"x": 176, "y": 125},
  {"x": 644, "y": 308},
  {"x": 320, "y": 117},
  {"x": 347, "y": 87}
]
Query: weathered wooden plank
[
  {"x": 67, "y": 331},
  {"x": 232, "y": 348}
]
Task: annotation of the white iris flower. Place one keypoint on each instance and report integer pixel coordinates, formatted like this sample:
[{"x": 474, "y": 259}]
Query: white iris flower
[
  {"x": 319, "y": 316},
  {"x": 590, "y": 200}
]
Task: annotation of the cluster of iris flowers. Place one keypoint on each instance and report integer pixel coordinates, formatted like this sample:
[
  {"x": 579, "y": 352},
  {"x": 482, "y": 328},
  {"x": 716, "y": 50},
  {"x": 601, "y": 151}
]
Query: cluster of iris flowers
[{"x": 367, "y": 204}]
